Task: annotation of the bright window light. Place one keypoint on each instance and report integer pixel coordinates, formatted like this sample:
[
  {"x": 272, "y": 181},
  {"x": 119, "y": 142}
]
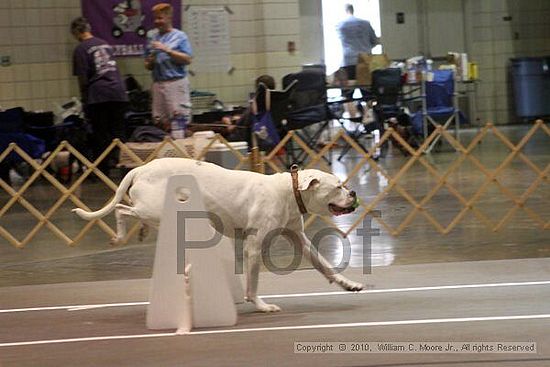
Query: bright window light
[{"x": 333, "y": 13}]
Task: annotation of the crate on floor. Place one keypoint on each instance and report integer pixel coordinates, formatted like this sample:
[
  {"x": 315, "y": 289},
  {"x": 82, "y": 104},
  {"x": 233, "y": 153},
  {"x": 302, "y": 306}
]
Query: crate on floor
[
  {"x": 192, "y": 147},
  {"x": 202, "y": 101}
]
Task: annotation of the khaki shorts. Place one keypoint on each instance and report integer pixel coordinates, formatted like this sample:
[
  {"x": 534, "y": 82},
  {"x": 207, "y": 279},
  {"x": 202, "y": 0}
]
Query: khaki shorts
[{"x": 172, "y": 104}]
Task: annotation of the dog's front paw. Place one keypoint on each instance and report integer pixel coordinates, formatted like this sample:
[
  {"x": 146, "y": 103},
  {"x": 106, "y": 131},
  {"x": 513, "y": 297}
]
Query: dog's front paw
[
  {"x": 353, "y": 286},
  {"x": 267, "y": 307},
  {"x": 262, "y": 306},
  {"x": 348, "y": 285}
]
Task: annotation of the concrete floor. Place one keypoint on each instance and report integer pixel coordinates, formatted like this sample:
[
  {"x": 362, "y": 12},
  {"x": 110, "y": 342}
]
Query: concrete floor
[
  {"x": 48, "y": 260},
  {"x": 477, "y": 302},
  {"x": 94, "y": 272}
]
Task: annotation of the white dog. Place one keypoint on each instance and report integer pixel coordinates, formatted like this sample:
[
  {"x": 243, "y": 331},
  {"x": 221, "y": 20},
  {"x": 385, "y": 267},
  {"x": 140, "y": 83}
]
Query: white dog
[{"x": 241, "y": 199}]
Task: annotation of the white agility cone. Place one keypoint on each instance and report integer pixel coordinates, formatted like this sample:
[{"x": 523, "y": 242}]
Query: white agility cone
[{"x": 211, "y": 290}]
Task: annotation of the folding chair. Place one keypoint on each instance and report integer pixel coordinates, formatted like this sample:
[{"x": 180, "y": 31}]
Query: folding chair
[
  {"x": 391, "y": 104},
  {"x": 363, "y": 124},
  {"x": 386, "y": 98},
  {"x": 439, "y": 101},
  {"x": 308, "y": 114},
  {"x": 310, "y": 88},
  {"x": 386, "y": 88},
  {"x": 274, "y": 103}
]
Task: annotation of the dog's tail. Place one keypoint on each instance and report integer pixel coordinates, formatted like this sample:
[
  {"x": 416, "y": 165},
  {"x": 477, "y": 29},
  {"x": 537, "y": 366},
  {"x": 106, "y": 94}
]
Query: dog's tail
[{"x": 119, "y": 194}]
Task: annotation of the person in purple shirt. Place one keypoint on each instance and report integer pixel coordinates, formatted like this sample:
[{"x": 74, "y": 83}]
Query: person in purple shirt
[
  {"x": 357, "y": 36},
  {"x": 101, "y": 88}
]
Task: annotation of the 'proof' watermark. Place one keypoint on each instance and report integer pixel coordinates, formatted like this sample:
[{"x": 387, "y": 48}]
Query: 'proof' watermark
[{"x": 301, "y": 245}]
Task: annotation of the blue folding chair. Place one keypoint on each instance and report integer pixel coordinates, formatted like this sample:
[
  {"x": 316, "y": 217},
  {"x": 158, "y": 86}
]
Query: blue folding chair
[{"x": 439, "y": 101}]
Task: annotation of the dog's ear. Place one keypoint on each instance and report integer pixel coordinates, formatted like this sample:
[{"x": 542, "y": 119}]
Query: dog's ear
[{"x": 308, "y": 183}]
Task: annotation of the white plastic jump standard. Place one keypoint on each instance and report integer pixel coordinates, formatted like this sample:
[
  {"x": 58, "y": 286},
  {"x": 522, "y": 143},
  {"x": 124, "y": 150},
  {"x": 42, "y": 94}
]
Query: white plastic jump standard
[{"x": 212, "y": 285}]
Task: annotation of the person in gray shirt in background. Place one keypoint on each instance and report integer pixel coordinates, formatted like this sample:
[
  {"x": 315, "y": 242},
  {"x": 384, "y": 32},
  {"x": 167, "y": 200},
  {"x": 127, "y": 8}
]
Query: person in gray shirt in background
[{"x": 357, "y": 36}]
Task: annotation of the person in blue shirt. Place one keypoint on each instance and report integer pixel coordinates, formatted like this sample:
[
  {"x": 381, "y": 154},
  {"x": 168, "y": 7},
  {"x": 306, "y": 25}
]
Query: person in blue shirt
[
  {"x": 167, "y": 55},
  {"x": 357, "y": 36}
]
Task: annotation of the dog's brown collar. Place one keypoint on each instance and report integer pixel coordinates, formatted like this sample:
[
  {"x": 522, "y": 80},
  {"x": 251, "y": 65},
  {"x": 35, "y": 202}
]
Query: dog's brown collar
[{"x": 297, "y": 195}]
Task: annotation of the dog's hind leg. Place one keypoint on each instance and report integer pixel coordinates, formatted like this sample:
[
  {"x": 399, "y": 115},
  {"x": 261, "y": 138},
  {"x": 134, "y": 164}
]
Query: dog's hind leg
[
  {"x": 121, "y": 214},
  {"x": 252, "y": 275},
  {"x": 143, "y": 231}
]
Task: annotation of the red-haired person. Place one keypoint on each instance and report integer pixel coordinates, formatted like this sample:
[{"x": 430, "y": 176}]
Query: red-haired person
[{"x": 167, "y": 55}]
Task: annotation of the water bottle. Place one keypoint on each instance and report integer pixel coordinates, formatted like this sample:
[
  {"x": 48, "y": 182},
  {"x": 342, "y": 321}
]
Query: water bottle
[
  {"x": 429, "y": 70},
  {"x": 152, "y": 35},
  {"x": 376, "y": 134},
  {"x": 411, "y": 73},
  {"x": 429, "y": 65},
  {"x": 179, "y": 124}
]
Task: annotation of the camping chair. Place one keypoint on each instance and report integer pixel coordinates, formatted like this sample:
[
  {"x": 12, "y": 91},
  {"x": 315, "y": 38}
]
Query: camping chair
[
  {"x": 269, "y": 109},
  {"x": 308, "y": 114},
  {"x": 439, "y": 101},
  {"x": 362, "y": 124},
  {"x": 391, "y": 104},
  {"x": 385, "y": 97},
  {"x": 386, "y": 88}
]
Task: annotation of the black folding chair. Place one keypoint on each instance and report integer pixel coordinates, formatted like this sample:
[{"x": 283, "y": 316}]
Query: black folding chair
[
  {"x": 274, "y": 102},
  {"x": 363, "y": 125},
  {"x": 387, "y": 88},
  {"x": 308, "y": 114}
]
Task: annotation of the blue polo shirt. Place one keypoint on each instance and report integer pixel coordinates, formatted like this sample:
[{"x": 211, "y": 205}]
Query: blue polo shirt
[
  {"x": 356, "y": 36},
  {"x": 165, "y": 68}
]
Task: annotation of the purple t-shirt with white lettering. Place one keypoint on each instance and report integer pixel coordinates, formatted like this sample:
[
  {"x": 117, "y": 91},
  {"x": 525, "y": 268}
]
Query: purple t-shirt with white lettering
[{"x": 97, "y": 69}]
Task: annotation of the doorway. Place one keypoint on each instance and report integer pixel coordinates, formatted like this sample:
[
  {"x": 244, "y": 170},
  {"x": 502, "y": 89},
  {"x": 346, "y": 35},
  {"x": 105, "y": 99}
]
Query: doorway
[{"x": 333, "y": 13}]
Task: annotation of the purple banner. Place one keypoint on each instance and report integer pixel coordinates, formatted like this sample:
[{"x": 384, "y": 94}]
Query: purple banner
[{"x": 124, "y": 23}]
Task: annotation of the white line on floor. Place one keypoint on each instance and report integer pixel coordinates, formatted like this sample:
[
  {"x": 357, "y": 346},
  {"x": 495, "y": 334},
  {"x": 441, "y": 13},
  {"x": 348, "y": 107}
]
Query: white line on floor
[
  {"x": 88, "y": 339},
  {"x": 90, "y": 307},
  {"x": 293, "y": 295},
  {"x": 414, "y": 289},
  {"x": 283, "y": 328},
  {"x": 375, "y": 323},
  {"x": 73, "y": 307}
]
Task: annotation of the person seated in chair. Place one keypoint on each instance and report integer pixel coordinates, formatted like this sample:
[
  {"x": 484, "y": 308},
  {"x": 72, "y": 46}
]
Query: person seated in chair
[
  {"x": 237, "y": 127},
  {"x": 240, "y": 127}
]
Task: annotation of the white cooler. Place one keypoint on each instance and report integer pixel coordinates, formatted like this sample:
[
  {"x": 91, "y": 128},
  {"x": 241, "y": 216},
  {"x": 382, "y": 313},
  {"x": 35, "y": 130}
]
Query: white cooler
[{"x": 223, "y": 156}]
